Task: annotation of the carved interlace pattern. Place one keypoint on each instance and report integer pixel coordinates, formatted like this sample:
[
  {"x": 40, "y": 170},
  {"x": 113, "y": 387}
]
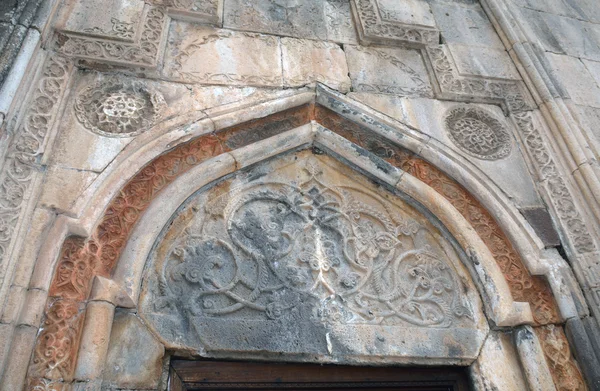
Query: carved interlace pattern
[
  {"x": 142, "y": 53},
  {"x": 564, "y": 369},
  {"x": 523, "y": 286},
  {"x": 453, "y": 85},
  {"x": 57, "y": 345},
  {"x": 561, "y": 196},
  {"x": 373, "y": 27},
  {"x": 346, "y": 253},
  {"x": 24, "y": 153},
  {"x": 116, "y": 107},
  {"x": 478, "y": 133}
]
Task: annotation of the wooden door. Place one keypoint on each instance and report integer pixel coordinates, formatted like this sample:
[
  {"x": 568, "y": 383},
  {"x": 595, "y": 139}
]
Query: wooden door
[{"x": 220, "y": 375}]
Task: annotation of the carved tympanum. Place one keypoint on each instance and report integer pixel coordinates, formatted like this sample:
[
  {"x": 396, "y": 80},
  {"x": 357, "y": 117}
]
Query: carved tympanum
[
  {"x": 304, "y": 250},
  {"x": 478, "y": 133},
  {"x": 116, "y": 107}
]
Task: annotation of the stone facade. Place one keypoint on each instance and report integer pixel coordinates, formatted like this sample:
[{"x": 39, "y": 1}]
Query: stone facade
[{"x": 365, "y": 182}]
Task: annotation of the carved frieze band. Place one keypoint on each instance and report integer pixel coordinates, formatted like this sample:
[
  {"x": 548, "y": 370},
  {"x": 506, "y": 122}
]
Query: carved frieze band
[
  {"x": 561, "y": 197},
  {"x": 372, "y": 28},
  {"x": 143, "y": 53},
  {"x": 452, "y": 85},
  {"x": 24, "y": 153}
]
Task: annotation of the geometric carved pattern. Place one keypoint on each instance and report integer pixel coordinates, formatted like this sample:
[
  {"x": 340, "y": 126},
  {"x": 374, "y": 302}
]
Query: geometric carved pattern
[
  {"x": 373, "y": 26},
  {"x": 477, "y": 133},
  {"x": 564, "y": 368},
  {"x": 454, "y": 86},
  {"x": 523, "y": 286},
  {"x": 118, "y": 108}
]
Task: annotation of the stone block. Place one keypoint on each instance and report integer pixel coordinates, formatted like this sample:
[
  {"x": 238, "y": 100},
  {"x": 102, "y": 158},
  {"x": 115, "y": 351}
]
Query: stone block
[
  {"x": 562, "y": 35},
  {"x": 497, "y": 367},
  {"x": 485, "y": 62},
  {"x": 412, "y": 12},
  {"x": 306, "y": 61},
  {"x": 205, "y": 55},
  {"x": 467, "y": 25},
  {"x": 395, "y": 107},
  {"x": 580, "y": 85},
  {"x": 134, "y": 359},
  {"x": 117, "y": 19},
  {"x": 294, "y": 18},
  {"x": 541, "y": 221},
  {"x": 339, "y": 23},
  {"x": 63, "y": 186},
  {"x": 387, "y": 71}
]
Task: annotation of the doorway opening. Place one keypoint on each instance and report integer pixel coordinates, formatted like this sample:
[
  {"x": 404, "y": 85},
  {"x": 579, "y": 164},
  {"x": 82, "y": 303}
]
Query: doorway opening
[{"x": 222, "y": 375}]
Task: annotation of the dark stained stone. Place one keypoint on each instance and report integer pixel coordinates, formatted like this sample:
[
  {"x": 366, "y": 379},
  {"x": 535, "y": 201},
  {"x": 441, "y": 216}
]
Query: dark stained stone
[{"x": 540, "y": 220}]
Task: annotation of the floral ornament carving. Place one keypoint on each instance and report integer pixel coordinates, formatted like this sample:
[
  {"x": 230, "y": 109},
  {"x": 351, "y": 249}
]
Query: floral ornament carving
[
  {"x": 478, "y": 133},
  {"x": 118, "y": 108},
  {"x": 24, "y": 153},
  {"x": 564, "y": 369},
  {"x": 560, "y": 195},
  {"x": 142, "y": 53},
  {"x": 332, "y": 252},
  {"x": 55, "y": 353},
  {"x": 523, "y": 286},
  {"x": 373, "y": 28},
  {"x": 452, "y": 85}
]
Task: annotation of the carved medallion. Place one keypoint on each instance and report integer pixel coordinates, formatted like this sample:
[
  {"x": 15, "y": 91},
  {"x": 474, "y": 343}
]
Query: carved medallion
[
  {"x": 478, "y": 133},
  {"x": 304, "y": 254},
  {"x": 118, "y": 108}
]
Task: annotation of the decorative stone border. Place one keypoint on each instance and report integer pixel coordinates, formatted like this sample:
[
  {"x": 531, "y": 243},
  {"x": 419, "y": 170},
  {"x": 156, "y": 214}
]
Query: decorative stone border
[
  {"x": 451, "y": 85},
  {"x": 81, "y": 259},
  {"x": 373, "y": 29}
]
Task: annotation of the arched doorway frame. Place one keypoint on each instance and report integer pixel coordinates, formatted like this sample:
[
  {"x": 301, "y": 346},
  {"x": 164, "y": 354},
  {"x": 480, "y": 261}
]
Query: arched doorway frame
[{"x": 162, "y": 138}]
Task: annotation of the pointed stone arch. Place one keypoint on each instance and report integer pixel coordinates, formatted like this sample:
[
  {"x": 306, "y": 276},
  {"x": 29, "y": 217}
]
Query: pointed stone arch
[{"x": 101, "y": 259}]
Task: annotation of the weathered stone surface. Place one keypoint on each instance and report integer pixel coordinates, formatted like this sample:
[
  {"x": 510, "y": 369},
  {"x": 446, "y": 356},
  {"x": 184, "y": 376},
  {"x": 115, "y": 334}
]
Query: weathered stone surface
[
  {"x": 428, "y": 115},
  {"x": 117, "y": 19},
  {"x": 259, "y": 267},
  {"x": 338, "y": 19},
  {"x": 563, "y": 35},
  {"x": 497, "y": 367},
  {"x": 581, "y": 86},
  {"x": 387, "y": 71},
  {"x": 407, "y": 23},
  {"x": 134, "y": 359},
  {"x": 466, "y": 25},
  {"x": 206, "y": 55},
  {"x": 301, "y": 19},
  {"x": 415, "y": 12},
  {"x": 306, "y": 61},
  {"x": 486, "y": 62},
  {"x": 64, "y": 187}
]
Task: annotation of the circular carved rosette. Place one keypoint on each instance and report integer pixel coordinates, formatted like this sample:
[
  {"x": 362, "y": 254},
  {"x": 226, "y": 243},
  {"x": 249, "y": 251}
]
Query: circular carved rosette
[
  {"x": 118, "y": 108},
  {"x": 478, "y": 133}
]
